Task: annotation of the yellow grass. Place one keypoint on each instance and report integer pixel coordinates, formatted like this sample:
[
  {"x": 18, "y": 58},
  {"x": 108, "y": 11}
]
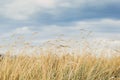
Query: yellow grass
[
  {"x": 50, "y": 65},
  {"x": 54, "y": 67}
]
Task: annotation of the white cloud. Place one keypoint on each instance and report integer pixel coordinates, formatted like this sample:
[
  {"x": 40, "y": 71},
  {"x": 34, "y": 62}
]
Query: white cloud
[
  {"x": 23, "y": 9},
  {"x": 98, "y": 29},
  {"x": 22, "y": 30},
  {"x": 17, "y": 31},
  {"x": 98, "y": 25}
]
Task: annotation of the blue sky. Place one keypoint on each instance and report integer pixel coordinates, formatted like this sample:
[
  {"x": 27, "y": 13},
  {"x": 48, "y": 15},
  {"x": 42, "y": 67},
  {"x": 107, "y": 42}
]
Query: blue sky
[{"x": 53, "y": 17}]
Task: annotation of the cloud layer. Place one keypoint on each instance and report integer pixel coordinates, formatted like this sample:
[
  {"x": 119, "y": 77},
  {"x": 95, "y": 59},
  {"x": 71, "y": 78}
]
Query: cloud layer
[
  {"x": 59, "y": 10},
  {"x": 106, "y": 28},
  {"x": 52, "y": 17}
]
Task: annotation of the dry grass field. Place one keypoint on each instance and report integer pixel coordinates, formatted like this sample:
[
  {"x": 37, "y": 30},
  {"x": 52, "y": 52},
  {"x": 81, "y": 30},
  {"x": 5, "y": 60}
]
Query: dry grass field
[{"x": 50, "y": 65}]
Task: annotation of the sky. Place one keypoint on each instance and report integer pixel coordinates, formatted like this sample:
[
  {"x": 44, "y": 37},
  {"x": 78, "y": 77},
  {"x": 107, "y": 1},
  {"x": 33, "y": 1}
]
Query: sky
[{"x": 51, "y": 18}]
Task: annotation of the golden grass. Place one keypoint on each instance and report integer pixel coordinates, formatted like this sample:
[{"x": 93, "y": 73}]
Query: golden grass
[
  {"x": 58, "y": 62},
  {"x": 55, "y": 67}
]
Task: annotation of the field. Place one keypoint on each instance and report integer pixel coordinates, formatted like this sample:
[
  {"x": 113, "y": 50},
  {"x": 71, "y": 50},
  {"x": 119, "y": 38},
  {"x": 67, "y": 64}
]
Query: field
[{"x": 51, "y": 64}]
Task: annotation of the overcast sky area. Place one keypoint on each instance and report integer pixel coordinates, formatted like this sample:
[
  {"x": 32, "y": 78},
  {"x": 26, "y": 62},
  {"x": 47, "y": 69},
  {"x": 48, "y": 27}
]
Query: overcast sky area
[{"x": 49, "y": 18}]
